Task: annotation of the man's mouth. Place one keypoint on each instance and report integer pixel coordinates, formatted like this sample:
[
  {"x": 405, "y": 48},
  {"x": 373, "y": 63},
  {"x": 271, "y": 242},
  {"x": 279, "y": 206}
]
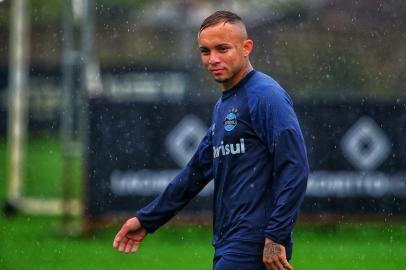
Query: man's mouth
[{"x": 216, "y": 71}]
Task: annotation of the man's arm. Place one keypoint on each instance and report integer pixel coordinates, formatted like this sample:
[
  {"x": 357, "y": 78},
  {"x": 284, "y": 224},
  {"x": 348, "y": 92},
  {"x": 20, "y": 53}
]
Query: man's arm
[
  {"x": 290, "y": 172},
  {"x": 289, "y": 187},
  {"x": 185, "y": 186},
  {"x": 277, "y": 127}
]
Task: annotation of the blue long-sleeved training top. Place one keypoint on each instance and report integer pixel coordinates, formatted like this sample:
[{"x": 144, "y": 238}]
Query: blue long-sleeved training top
[{"x": 255, "y": 152}]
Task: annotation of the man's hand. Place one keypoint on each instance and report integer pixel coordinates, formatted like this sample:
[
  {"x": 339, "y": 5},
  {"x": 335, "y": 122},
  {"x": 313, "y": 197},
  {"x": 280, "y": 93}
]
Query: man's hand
[
  {"x": 274, "y": 256},
  {"x": 130, "y": 236}
]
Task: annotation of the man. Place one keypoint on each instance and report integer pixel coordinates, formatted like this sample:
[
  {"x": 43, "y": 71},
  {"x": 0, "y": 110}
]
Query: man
[{"x": 254, "y": 151}]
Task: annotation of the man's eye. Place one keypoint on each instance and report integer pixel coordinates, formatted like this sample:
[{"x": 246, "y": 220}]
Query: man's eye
[
  {"x": 223, "y": 49},
  {"x": 205, "y": 52}
]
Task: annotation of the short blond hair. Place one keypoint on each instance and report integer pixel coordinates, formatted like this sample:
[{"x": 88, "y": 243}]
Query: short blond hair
[{"x": 220, "y": 16}]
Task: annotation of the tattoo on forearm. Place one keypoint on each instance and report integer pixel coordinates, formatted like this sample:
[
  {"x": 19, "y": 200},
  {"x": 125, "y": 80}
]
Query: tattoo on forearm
[{"x": 272, "y": 250}]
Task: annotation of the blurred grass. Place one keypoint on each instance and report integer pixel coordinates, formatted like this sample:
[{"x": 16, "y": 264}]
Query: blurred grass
[
  {"x": 43, "y": 168},
  {"x": 3, "y": 173},
  {"x": 33, "y": 242},
  {"x": 351, "y": 246}
]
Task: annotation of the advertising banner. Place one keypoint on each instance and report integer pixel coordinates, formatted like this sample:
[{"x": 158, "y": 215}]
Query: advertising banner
[{"x": 357, "y": 154}]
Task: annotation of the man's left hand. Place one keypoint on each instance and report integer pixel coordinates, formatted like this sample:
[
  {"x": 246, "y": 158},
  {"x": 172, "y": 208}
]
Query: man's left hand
[{"x": 274, "y": 256}]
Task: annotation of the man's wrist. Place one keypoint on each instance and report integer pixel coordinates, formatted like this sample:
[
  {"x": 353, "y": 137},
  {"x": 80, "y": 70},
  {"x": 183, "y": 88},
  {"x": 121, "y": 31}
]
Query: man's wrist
[{"x": 273, "y": 240}]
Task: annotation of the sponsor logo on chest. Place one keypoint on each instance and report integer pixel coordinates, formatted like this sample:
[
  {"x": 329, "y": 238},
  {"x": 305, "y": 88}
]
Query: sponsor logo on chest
[
  {"x": 229, "y": 149},
  {"x": 230, "y": 121}
]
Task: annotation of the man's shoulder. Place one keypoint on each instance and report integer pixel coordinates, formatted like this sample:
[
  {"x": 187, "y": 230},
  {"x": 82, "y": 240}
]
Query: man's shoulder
[{"x": 263, "y": 86}]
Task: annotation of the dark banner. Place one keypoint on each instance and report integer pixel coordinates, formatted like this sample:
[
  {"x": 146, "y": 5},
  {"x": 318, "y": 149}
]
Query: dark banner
[
  {"x": 357, "y": 154},
  {"x": 135, "y": 149}
]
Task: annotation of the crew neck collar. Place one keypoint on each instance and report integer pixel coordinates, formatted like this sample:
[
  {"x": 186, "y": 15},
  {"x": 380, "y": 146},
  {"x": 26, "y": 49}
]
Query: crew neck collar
[{"x": 233, "y": 89}]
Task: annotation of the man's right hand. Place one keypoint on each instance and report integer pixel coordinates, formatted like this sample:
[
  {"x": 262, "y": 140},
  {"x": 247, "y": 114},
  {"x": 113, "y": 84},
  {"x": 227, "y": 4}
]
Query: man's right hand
[{"x": 130, "y": 236}]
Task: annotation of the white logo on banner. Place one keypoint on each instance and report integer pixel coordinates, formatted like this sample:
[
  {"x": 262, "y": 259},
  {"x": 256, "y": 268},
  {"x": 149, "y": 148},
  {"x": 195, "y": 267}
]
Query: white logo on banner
[
  {"x": 184, "y": 139},
  {"x": 365, "y": 144}
]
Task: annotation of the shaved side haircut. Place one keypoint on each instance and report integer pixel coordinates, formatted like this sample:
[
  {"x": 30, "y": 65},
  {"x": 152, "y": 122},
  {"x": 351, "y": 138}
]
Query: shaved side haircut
[{"x": 221, "y": 16}]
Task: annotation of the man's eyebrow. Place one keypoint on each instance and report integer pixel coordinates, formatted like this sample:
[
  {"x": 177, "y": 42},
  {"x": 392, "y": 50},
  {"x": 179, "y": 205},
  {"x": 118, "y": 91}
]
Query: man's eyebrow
[{"x": 222, "y": 45}]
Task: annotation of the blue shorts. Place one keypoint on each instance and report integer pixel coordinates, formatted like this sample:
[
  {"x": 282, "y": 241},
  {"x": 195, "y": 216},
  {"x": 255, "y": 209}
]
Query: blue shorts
[{"x": 232, "y": 261}]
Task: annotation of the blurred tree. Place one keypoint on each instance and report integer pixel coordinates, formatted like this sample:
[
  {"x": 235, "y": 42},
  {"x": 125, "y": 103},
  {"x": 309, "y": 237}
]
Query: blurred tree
[
  {"x": 344, "y": 50},
  {"x": 331, "y": 49},
  {"x": 45, "y": 11}
]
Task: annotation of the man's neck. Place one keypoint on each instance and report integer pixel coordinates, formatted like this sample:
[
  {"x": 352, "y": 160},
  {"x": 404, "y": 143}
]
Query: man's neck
[{"x": 228, "y": 85}]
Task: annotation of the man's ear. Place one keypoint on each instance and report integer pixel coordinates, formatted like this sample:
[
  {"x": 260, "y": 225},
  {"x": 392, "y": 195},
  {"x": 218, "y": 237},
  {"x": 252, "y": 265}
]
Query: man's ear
[{"x": 248, "y": 46}]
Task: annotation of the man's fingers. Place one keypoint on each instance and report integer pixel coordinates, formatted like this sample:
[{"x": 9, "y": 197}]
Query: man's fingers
[
  {"x": 129, "y": 246},
  {"x": 279, "y": 266},
  {"x": 117, "y": 240},
  {"x": 286, "y": 264},
  {"x": 129, "y": 236},
  {"x": 119, "y": 236},
  {"x": 123, "y": 244},
  {"x": 135, "y": 246},
  {"x": 274, "y": 265}
]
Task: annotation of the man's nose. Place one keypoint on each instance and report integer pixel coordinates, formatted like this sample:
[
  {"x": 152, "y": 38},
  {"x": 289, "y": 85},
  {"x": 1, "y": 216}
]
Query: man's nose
[{"x": 213, "y": 59}]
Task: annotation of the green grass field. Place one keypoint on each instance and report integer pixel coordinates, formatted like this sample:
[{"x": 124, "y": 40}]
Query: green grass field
[{"x": 33, "y": 242}]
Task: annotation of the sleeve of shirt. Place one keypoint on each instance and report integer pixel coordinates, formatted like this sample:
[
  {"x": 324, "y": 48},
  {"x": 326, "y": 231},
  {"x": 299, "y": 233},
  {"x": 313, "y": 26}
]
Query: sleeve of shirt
[
  {"x": 185, "y": 186},
  {"x": 277, "y": 126}
]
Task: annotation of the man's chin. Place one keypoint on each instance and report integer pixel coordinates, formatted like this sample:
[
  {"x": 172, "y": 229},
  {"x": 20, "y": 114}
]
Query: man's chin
[{"x": 220, "y": 80}]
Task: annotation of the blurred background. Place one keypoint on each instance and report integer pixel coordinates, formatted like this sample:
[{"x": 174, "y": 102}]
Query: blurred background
[{"x": 102, "y": 102}]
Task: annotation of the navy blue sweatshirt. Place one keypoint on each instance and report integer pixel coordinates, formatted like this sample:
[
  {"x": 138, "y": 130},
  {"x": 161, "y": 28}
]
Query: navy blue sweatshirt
[{"x": 255, "y": 152}]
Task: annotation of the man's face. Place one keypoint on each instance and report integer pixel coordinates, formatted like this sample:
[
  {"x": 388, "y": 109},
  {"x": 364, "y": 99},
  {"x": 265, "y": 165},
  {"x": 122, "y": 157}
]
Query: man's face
[{"x": 224, "y": 52}]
